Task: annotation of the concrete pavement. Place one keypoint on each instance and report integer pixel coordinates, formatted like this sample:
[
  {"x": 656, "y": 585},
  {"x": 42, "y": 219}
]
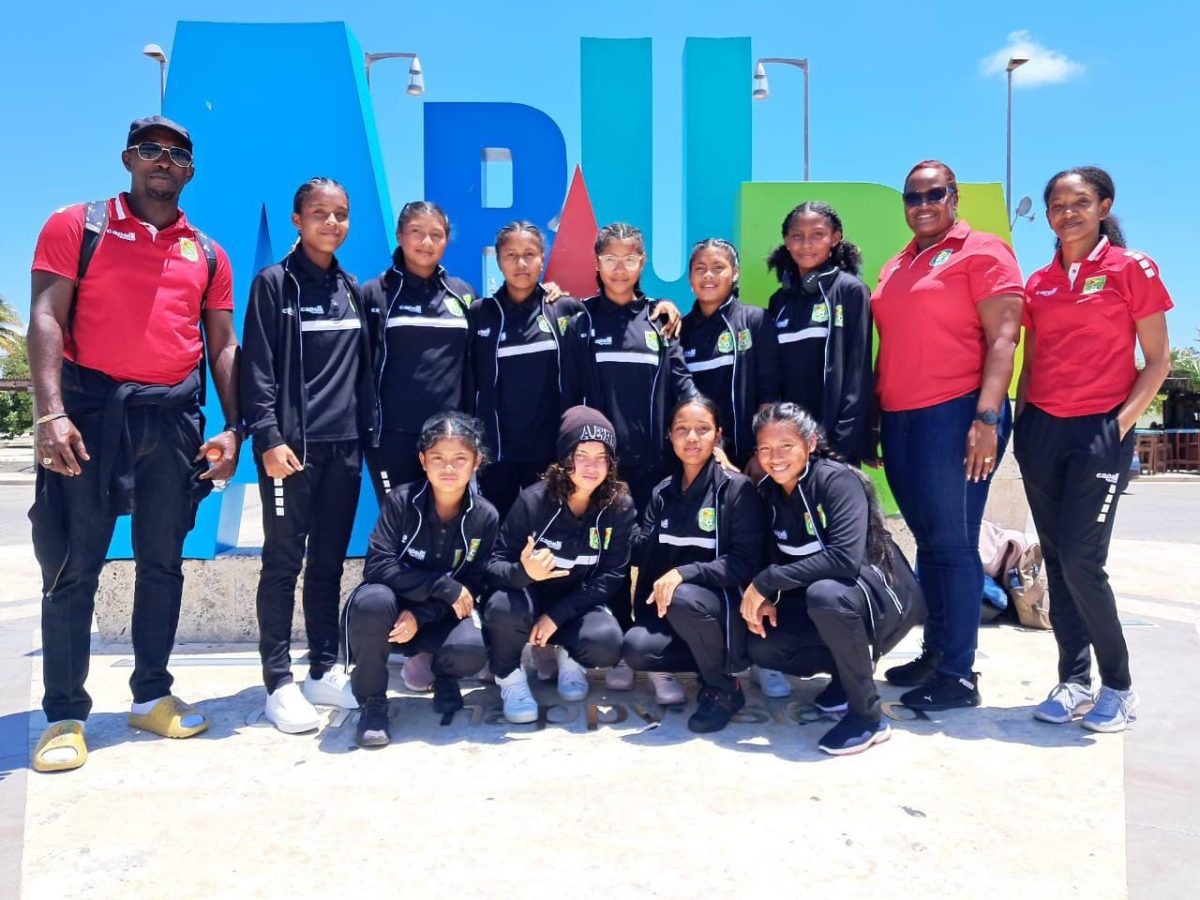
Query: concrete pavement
[{"x": 613, "y": 796}]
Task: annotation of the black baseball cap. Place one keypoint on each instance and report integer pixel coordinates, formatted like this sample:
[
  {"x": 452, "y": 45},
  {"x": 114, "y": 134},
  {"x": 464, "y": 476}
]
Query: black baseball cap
[{"x": 139, "y": 126}]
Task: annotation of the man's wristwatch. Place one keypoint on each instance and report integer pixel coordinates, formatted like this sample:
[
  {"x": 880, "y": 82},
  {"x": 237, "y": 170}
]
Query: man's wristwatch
[
  {"x": 238, "y": 430},
  {"x": 988, "y": 417}
]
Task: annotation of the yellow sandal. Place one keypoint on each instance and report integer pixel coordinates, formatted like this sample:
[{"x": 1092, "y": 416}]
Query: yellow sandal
[
  {"x": 166, "y": 719},
  {"x": 61, "y": 736}
]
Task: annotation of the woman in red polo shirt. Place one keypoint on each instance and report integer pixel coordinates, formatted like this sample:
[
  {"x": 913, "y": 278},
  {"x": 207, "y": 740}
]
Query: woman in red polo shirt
[
  {"x": 948, "y": 310},
  {"x": 1080, "y": 395}
]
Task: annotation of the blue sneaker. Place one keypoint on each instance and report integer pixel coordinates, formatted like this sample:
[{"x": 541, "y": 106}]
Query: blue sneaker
[
  {"x": 854, "y": 734},
  {"x": 1114, "y": 711},
  {"x": 1066, "y": 702}
]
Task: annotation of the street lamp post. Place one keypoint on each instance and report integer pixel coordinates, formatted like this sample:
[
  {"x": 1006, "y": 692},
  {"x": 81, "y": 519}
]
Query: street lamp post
[
  {"x": 1014, "y": 63},
  {"x": 416, "y": 75},
  {"x": 155, "y": 52},
  {"x": 762, "y": 91}
]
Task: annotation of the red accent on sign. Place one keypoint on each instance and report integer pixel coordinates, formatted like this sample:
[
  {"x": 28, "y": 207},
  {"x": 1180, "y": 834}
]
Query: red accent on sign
[{"x": 572, "y": 264}]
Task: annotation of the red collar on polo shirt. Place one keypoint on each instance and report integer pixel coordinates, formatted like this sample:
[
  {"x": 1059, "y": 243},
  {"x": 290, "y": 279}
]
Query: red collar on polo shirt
[
  {"x": 119, "y": 211},
  {"x": 1071, "y": 273},
  {"x": 957, "y": 232}
]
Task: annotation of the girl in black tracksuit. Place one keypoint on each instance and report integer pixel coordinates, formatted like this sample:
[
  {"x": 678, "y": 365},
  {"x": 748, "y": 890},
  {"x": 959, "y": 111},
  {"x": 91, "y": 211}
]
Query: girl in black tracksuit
[
  {"x": 309, "y": 400},
  {"x": 699, "y": 544},
  {"x": 419, "y": 331},
  {"x": 730, "y": 348},
  {"x": 562, "y": 554},
  {"x": 619, "y": 362},
  {"x": 838, "y": 593},
  {"x": 822, "y": 317},
  {"x": 515, "y": 346},
  {"x": 424, "y": 572}
]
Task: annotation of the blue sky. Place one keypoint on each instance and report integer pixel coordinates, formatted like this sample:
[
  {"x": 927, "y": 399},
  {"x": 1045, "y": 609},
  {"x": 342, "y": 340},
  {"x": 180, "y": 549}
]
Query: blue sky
[{"x": 1113, "y": 84}]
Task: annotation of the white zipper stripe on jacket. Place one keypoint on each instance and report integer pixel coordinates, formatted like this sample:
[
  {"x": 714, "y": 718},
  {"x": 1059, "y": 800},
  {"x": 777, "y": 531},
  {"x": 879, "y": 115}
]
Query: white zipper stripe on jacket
[
  {"x": 659, "y": 358},
  {"x": 708, "y": 365},
  {"x": 804, "y": 334},
  {"x": 424, "y": 322},
  {"x": 496, "y": 378},
  {"x": 733, "y": 379},
  {"x": 625, "y": 356},
  {"x": 462, "y": 530},
  {"x": 331, "y": 325},
  {"x": 887, "y": 587},
  {"x": 526, "y": 349},
  {"x": 702, "y": 542},
  {"x": 807, "y": 508},
  {"x": 828, "y": 332},
  {"x": 303, "y": 386}
]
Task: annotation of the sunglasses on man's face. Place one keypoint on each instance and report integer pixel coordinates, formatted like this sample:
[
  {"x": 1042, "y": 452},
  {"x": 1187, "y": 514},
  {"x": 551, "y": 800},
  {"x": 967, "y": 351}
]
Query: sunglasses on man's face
[
  {"x": 913, "y": 199},
  {"x": 152, "y": 150}
]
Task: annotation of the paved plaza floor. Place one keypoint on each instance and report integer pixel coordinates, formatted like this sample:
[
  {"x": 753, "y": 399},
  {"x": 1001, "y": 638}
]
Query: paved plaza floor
[{"x": 613, "y": 797}]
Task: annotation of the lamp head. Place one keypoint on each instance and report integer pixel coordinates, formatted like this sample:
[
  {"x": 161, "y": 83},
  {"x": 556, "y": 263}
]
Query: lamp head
[
  {"x": 1015, "y": 63},
  {"x": 154, "y": 52},
  {"x": 761, "y": 89}
]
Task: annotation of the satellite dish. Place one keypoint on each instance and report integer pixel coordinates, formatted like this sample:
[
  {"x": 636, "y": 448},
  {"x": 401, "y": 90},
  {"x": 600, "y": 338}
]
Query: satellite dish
[{"x": 1024, "y": 206}]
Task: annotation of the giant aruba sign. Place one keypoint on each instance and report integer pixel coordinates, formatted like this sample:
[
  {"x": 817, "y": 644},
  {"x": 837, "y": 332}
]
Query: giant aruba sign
[{"x": 237, "y": 86}]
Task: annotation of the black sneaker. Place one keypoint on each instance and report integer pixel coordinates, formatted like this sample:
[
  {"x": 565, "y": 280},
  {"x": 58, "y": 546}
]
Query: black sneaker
[
  {"x": 854, "y": 734},
  {"x": 372, "y": 730},
  {"x": 715, "y": 708},
  {"x": 447, "y": 698},
  {"x": 917, "y": 672},
  {"x": 943, "y": 692},
  {"x": 832, "y": 699}
]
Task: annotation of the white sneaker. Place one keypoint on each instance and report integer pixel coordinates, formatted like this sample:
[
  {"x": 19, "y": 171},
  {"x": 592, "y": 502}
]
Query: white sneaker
[
  {"x": 519, "y": 706},
  {"x": 331, "y": 689},
  {"x": 289, "y": 711},
  {"x": 418, "y": 672},
  {"x": 773, "y": 684},
  {"x": 667, "y": 688},
  {"x": 572, "y": 677},
  {"x": 619, "y": 677}
]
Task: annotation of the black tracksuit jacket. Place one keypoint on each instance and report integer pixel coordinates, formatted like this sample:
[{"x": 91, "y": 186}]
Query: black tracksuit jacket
[
  {"x": 496, "y": 350},
  {"x": 273, "y": 396},
  {"x": 819, "y": 532},
  {"x": 432, "y": 372},
  {"x": 617, "y": 361},
  {"x": 403, "y": 551},
  {"x": 594, "y": 547},
  {"x": 713, "y": 533},
  {"x": 825, "y": 346},
  {"x": 733, "y": 357}
]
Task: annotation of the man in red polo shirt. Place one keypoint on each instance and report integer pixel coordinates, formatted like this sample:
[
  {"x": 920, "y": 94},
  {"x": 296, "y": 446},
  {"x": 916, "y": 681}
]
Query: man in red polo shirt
[{"x": 117, "y": 358}]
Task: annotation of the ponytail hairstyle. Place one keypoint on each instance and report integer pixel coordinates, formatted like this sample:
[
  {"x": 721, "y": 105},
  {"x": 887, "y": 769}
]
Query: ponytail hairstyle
[
  {"x": 878, "y": 548},
  {"x": 1103, "y": 185},
  {"x": 451, "y": 424},
  {"x": 619, "y": 231},
  {"x": 844, "y": 255},
  {"x": 415, "y": 208},
  {"x": 311, "y": 185},
  {"x": 721, "y": 246}
]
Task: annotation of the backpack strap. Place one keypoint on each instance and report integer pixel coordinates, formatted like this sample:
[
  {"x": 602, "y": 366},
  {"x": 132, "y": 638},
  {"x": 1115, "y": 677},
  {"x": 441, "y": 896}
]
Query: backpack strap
[
  {"x": 95, "y": 221},
  {"x": 210, "y": 257}
]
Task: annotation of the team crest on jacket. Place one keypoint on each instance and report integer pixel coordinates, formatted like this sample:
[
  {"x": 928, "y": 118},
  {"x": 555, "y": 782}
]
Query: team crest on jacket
[
  {"x": 543, "y": 324},
  {"x": 838, "y": 316},
  {"x": 941, "y": 258},
  {"x": 563, "y": 322},
  {"x": 744, "y": 341},
  {"x": 820, "y": 312},
  {"x": 707, "y": 520},
  {"x": 453, "y": 305},
  {"x": 808, "y": 524},
  {"x": 652, "y": 340},
  {"x": 1094, "y": 284},
  {"x": 725, "y": 342},
  {"x": 821, "y": 516},
  {"x": 187, "y": 249},
  {"x": 594, "y": 538},
  {"x": 472, "y": 549}
]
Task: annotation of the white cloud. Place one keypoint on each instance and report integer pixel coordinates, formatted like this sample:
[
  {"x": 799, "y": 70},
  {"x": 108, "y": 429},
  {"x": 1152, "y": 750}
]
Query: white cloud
[{"x": 1045, "y": 66}]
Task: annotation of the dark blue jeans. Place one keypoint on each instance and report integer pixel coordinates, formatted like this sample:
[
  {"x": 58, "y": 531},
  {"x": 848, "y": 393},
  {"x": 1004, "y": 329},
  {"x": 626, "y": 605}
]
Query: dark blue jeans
[{"x": 923, "y": 452}]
